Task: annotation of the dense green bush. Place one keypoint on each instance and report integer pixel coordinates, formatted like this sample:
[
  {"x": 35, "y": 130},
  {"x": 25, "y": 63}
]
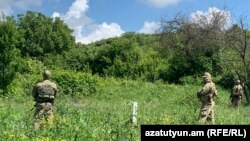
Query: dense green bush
[
  {"x": 75, "y": 83},
  {"x": 9, "y": 54},
  {"x": 227, "y": 80},
  {"x": 191, "y": 80},
  {"x": 119, "y": 59},
  {"x": 182, "y": 66},
  {"x": 71, "y": 83},
  {"x": 79, "y": 58},
  {"x": 28, "y": 73},
  {"x": 21, "y": 87},
  {"x": 30, "y": 66},
  {"x": 131, "y": 56}
]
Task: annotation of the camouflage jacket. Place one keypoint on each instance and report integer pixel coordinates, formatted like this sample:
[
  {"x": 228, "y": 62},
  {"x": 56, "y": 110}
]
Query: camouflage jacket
[
  {"x": 35, "y": 92},
  {"x": 237, "y": 91},
  {"x": 207, "y": 93}
]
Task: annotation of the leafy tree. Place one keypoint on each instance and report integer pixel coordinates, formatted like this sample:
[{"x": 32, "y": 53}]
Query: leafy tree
[
  {"x": 8, "y": 52},
  {"x": 132, "y": 56},
  {"x": 194, "y": 46},
  {"x": 117, "y": 59},
  {"x": 237, "y": 53},
  {"x": 42, "y": 35},
  {"x": 80, "y": 57}
]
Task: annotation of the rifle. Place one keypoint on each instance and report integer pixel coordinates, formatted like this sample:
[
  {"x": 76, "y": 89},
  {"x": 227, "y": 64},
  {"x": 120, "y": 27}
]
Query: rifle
[
  {"x": 52, "y": 101},
  {"x": 246, "y": 92},
  {"x": 33, "y": 107},
  {"x": 198, "y": 95}
]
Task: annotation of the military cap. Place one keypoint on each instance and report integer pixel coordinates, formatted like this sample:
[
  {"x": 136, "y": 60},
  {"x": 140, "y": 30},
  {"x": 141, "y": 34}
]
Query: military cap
[{"x": 207, "y": 75}]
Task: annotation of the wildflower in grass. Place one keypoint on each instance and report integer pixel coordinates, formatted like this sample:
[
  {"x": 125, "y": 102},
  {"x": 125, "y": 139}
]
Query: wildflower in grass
[
  {"x": 45, "y": 139},
  {"x": 50, "y": 120},
  {"x": 145, "y": 119},
  {"x": 22, "y": 136},
  {"x": 47, "y": 123},
  {"x": 166, "y": 119},
  {"x": 5, "y": 133},
  {"x": 62, "y": 120},
  {"x": 8, "y": 134}
]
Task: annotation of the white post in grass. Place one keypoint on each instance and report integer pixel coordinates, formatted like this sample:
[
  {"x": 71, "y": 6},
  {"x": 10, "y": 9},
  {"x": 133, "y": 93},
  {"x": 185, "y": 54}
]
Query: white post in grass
[{"x": 134, "y": 113}]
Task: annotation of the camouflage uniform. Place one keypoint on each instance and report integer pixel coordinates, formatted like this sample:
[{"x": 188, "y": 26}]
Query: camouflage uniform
[
  {"x": 206, "y": 96},
  {"x": 236, "y": 95},
  {"x": 44, "y": 101}
]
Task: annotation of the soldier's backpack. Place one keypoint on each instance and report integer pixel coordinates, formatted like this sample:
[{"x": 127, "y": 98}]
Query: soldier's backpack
[{"x": 46, "y": 92}]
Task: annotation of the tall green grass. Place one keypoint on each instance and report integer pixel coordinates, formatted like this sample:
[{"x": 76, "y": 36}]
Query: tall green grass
[{"x": 106, "y": 115}]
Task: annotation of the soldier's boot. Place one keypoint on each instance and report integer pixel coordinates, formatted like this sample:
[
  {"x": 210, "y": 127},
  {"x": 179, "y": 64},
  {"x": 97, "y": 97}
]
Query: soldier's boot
[
  {"x": 211, "y": 116},
  {"x": 202, "y": 119},
  {"x": 211, "y": 120}
]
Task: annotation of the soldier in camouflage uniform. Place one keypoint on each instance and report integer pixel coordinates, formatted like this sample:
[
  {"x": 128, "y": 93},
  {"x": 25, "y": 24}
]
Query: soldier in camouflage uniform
[
  {"x": 236, "y": 95},
  {"x": 44, "y": 93},
  {"x": 206, "y": 96}
]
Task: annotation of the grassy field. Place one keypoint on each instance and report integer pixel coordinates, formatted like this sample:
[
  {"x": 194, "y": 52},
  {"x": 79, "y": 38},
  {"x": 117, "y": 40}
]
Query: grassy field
[{"x": 106, "y": 115}]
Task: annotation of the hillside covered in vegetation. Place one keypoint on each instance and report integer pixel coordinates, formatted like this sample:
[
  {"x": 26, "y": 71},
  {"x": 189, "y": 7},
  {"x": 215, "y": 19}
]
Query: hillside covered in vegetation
[{"x": 99, "y": 81}]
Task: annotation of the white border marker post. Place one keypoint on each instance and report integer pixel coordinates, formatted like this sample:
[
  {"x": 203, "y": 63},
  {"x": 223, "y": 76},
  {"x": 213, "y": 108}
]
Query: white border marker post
[{"x": 134, "y": 113}]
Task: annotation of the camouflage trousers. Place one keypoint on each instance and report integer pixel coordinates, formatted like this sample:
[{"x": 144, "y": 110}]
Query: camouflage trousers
[
  {"x": 236, "y": 101},
  {"x": 44, "y": 111},
  {"x": 207, "y": 113}
]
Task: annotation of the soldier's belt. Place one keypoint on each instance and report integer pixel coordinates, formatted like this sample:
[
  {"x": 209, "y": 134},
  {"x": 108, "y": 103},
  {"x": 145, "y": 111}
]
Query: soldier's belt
[{"x": 43, "y": 101}]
